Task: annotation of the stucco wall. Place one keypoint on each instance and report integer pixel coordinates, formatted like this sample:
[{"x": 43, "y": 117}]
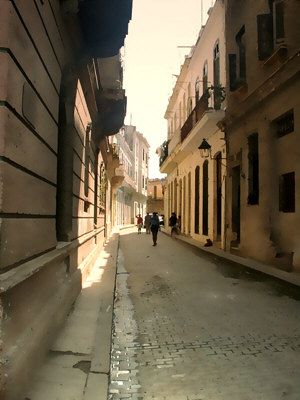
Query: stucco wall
[
  {"x": 272, "y": 89},
  {"x": 40, "y": 278}
]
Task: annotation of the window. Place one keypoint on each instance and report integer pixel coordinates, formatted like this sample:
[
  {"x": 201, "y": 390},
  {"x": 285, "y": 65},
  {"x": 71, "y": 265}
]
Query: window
[
  {"x": 180, "y": 115},
  {"x": 240, "y": 38},
  {"x": 190, "y": 105},
  {"x": 217, "y": 92},
  {"x": 189, "y": 101},
  {"x": 197, "y": 89},
  {"x": 278, "y": 21},
  {"x": 285, "y": 124},
  {"x": 287, "y": 192},
  {"x": 143, "y": 154},
  {"x": 237, "y": 62},
  {"x": 155, "y": 191},
  {"x": 102, "y": 188},
  {"x": 253, "y": 168},
  {"x": 205, "y": 77},
  {"x": 270, "y": 29},
  {"x": 87, "y": 159},
  {"x": 216, "y": 64}
]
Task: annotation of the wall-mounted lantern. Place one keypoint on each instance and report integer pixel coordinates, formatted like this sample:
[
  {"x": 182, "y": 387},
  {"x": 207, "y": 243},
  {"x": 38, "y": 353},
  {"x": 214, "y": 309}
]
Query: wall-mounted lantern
[{"x": 205, "y": 149}]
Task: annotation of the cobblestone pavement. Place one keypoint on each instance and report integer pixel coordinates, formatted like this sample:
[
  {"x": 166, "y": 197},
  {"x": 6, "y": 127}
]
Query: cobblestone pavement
[{"x": 187, "y": 327}]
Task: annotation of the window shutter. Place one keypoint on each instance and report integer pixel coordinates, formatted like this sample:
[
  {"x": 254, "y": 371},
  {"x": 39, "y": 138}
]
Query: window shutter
[
  {"x": 232, "y": 71},
  {"x": 279, "y": 20},
  {"x": 265, "y": 36}
]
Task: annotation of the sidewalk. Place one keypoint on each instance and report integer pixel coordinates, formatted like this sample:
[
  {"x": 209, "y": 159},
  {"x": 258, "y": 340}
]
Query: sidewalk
[
  {"x": 78, "y": 364},
  {"x": 289, "y": 277}
]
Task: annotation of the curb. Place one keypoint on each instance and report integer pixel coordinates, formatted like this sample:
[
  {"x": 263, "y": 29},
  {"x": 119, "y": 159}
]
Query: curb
[{"x": 292, "y": 278}]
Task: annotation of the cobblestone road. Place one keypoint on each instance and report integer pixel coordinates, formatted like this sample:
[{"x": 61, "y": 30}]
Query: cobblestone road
[{"x": 187, "y": 327}]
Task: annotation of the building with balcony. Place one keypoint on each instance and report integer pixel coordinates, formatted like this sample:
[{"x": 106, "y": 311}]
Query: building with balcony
[
  {"x": 195, "y": 184},
  {"x": 156, "y": 190},
  {"x": 61, "y": 97},
  {"x": 262, "y": 128},
  {"x": 130, "y": 198}
]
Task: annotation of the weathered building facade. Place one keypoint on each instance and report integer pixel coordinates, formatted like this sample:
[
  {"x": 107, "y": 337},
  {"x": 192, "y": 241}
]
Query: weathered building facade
[
  {"x": 155, "y": 190},
  {"x": 130, "y": 198},
  {"x": 262, "y": 128},
  {"x": 195, "y": 187},
  {"x": 60, "y": 97}
]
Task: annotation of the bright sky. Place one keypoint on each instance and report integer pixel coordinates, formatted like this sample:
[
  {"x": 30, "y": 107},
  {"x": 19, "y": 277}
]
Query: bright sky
[{"x": 152, "y": 55}]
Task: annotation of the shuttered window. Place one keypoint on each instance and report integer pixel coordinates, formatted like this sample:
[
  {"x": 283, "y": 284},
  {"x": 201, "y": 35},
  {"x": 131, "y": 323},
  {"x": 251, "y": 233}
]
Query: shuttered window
[
  {"x": 285, "y": 124},
  {"x": 265, "y": 36},
  {"x": 270, "y": 29},
  {"x": 240, "y": 38},
  {"x": 287, "y": 192},
  {"x": 278, "y": 12}
]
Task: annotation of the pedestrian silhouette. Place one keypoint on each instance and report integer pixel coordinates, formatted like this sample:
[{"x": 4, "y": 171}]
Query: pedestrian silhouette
[
  {"x": 154, "y": 227},
  {"x": 147, "y": 223},
  {"x": 139, "y": 223},
  {"x": 173, "y": 223}
]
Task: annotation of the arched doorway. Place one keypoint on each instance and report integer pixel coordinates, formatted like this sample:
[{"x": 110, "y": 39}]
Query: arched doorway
[
  {"x": 218, "y": 192},
  {"x": 205, "y": 198},
  {"x": 189, "y": 201},
  {"x": 184, "y": 206},
  {"x": 197, "y": 199}
]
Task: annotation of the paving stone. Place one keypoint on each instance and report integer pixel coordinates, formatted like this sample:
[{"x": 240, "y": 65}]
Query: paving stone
[{"x": 185, "y": 332}]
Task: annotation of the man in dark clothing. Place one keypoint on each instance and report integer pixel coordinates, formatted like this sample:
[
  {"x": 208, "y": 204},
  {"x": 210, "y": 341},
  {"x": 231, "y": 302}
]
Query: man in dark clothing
[
  {"x": 154, "y": 227},
  {"x": 173, "y": 223},
  {"x": 147, "y": 222}
]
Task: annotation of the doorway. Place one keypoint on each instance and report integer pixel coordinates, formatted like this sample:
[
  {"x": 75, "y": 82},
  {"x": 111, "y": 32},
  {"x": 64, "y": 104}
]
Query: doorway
[
  {"x": 205, "y": 199},
  {"x": 197, "y": 184},
  {"x": 236, "y": 203},
  {"x": 219, "y": 195}
]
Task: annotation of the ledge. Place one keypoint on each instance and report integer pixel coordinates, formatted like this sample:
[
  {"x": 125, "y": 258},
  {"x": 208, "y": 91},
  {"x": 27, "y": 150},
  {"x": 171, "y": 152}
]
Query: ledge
[
  {"x": 24, "y": 271},
  {"x": 279, "y": 54}
]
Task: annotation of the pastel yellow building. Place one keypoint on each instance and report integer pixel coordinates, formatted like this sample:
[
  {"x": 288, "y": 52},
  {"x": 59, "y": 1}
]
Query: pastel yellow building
[{"x": 195, "y": 185}]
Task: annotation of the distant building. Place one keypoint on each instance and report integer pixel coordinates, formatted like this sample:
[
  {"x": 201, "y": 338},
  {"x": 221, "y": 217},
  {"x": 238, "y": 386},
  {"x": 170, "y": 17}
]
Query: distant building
[
  {"x": 262, "y": 127},
  {"x": 130, "y": 198},
  {"x": 195, "y": 187},
  {"x": 155, "y": 190}
]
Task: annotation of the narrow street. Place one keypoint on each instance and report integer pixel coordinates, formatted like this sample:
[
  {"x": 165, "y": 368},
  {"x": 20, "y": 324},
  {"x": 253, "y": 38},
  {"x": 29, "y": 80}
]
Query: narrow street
[{"x": 187, "y": 326}]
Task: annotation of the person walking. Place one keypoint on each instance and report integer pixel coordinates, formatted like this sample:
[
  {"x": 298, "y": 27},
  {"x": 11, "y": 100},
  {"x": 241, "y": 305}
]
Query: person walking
[
  {"x": 173, "y": 223},
  {"x": 147, "y": 223},
  {"x": 154, "y": 227},
  {"x": 139, "y": 222}
]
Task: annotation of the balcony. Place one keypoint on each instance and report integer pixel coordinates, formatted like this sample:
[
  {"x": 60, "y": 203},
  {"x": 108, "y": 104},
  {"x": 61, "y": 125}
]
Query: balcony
[
  {"x": 211, "y": 100},
  {"x": 200, "y": 124}
]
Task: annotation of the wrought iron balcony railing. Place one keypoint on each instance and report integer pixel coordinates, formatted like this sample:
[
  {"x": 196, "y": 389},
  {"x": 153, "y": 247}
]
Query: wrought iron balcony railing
[{"x": 210, "y": 100}]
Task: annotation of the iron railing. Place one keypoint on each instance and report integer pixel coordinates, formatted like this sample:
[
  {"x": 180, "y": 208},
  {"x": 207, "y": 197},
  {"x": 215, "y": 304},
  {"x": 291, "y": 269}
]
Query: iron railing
[{"x": 210, "y": 100}]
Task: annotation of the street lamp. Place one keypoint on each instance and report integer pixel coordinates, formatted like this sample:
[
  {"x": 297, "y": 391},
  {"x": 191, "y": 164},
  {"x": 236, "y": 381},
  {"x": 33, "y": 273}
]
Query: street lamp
[{"x": 205, "y": 149}]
